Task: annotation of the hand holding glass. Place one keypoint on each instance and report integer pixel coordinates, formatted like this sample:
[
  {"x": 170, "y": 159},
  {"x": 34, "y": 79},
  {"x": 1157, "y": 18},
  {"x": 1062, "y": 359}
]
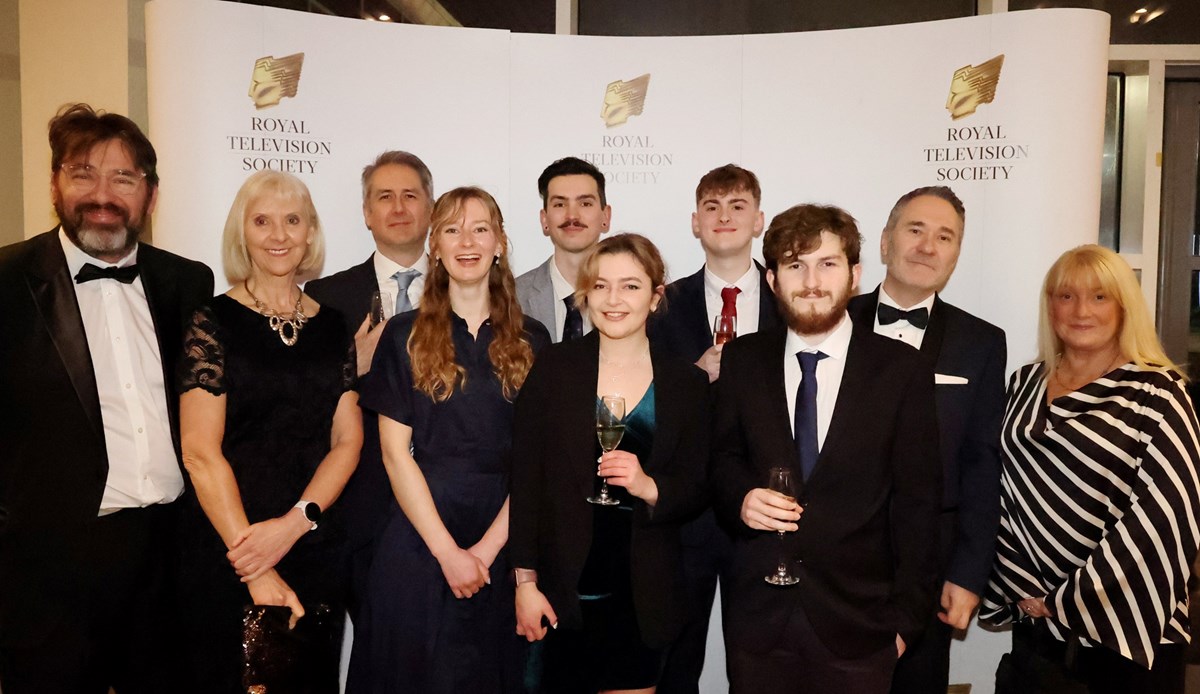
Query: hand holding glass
[
  {"x": 781, "y": 481},
  {"x": 610, "y": 428}
]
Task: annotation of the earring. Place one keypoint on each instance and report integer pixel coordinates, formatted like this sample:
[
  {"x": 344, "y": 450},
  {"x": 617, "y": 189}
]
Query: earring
[{"x": 495, "y": 260}]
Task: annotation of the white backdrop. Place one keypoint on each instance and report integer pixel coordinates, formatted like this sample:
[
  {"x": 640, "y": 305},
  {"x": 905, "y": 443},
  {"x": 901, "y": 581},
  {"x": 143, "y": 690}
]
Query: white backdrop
[{"x": 854, "y": 118}]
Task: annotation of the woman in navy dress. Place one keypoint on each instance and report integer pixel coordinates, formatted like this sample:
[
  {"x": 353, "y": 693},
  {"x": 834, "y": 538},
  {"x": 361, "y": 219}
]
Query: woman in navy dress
[{"x": 439, "y": 596}]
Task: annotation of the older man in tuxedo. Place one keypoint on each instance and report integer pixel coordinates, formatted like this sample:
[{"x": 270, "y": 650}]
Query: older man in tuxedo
[
  {"x": 574, "y": 214},
  {"x": 850, "y": 413},
  {"x": 89, "y": 442},
  {"x": 920, "y": 245}
]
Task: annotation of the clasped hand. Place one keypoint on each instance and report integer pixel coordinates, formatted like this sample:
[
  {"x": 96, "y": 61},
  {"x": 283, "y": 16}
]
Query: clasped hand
[
  {"x": 763, "y": 509},
  {"x": 465, "y": 573},
  {"x": 260, "y": 546}
]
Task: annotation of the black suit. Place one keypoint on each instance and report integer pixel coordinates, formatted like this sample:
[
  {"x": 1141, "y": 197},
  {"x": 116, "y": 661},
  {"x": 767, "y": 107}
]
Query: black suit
[
  {"x": 973, "y": 351},
  {"x": 685, "y": 329},
  {"x": 53, "y": 470},
  {"x": 364, "y": 502},
  {"x": 554, "y": 468},
  {"x": 862, "y": 553}
]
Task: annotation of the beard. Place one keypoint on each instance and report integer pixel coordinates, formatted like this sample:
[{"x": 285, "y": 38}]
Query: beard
[
  {"x": 103, "y": 241},
  {"x": 814, "y": 322}
]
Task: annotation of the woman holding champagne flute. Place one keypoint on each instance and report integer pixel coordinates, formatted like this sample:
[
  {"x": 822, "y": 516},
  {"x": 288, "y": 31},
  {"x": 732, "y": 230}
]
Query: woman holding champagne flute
[{"x": 596, "y": 540}]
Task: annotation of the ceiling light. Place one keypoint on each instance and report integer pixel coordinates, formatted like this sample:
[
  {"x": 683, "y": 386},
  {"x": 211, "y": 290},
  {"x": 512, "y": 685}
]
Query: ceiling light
[{"x": 384, "y": 18}]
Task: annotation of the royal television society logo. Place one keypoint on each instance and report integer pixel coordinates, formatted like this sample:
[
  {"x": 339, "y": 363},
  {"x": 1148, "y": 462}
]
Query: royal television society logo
[
  {"x": 274, "y": 78},
  {"x": 972, "y": 86},
  {"x": 624, "y": 99}
]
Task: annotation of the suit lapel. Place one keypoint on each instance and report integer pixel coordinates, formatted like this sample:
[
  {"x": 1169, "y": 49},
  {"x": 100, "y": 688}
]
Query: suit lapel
[
  {"x": 695, "y": 311},
  {"x": 771, "y": 380},
  {"x": 53, "y": 293},
  {"x": 162, "y": 296},
  {"x": 855, "y": 386},
  {"x": 768, "y": 308},
  {"x": 582, "y": 408},
  {"x": 542, "y": 301},
  {"x": 935, "y": 332}
]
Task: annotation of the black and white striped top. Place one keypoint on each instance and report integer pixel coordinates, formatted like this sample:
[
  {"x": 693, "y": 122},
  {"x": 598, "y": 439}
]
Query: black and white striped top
[{"x": 1099, "y": 508}]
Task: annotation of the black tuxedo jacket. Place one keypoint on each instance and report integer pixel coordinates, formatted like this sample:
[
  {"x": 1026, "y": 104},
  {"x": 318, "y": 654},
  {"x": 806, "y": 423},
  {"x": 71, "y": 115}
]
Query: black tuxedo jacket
[
  {"x": 364, "y": 502},
  {"x": 685, "y": 327},
  {"x": 969, "y": 356},
  {"x": 53, "y": 461},
  {"x": 554, "y": 470},
  {"x": 863, "y": 554},
  {"x": 348, "y": 291}
]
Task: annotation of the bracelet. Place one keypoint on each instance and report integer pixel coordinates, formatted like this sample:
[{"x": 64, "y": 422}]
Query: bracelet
[{"x": 524, "y": 576}]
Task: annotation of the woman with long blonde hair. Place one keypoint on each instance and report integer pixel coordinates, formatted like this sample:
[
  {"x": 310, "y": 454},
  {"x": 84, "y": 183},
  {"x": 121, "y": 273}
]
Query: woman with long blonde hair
[
  {"x": 439, "y": 598},
  {"x": 1100, "y": 494}
]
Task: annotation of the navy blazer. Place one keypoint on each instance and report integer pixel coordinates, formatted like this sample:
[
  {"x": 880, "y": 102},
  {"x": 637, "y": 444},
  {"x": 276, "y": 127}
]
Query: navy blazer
[
  {"x": 969, "y": 356},
  {"x": 862, "y": 553},
  {"x": 53, "y": 459},
  {"x": 554, "y": 470},
  {"x": 684, "y": 327}
]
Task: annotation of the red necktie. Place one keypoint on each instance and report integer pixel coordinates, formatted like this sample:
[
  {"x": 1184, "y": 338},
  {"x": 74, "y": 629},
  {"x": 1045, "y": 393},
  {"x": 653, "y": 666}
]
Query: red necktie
[{"x": 729, "y": 301}]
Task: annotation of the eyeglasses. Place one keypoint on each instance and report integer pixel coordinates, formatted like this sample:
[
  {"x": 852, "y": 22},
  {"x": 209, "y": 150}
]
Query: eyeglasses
[{"x": 84, "y": 178}]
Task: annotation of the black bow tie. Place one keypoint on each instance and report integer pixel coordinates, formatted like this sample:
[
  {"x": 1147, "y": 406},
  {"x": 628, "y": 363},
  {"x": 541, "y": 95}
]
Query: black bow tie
[
  {"x": 90, "y": 272},
  {"x": 917, "y": 317}
]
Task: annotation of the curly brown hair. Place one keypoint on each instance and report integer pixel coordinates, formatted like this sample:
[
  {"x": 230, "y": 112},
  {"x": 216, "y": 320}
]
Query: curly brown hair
[{"x": 430, "y": 345}]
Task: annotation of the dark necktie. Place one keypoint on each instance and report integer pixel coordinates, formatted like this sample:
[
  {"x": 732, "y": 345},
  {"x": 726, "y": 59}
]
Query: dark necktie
[
  {"x": 404, "y": 280},
  {"x": 573, "y": 325},
  {"x": 729, "y": 301},
  {"x": 805, "y": 424},
  {"x": 124, "y": 275},
  {"x": 917, "y": 317}
]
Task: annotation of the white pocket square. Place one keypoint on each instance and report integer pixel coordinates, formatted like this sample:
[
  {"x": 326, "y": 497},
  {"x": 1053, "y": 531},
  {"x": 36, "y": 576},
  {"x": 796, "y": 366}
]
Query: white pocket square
[{"x": 949, "y": 380}]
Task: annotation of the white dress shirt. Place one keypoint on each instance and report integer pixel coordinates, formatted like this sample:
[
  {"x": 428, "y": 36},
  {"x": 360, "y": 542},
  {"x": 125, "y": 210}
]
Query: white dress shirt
[
  {"x": 902, "y": 330},
  {"x": 829, "y": 373},
  {"x": 747, "y": 299},
  {"x": 389, "y": 286},
  {"x": 143, "y": 468},
  {"x": 562, "y": 289}
]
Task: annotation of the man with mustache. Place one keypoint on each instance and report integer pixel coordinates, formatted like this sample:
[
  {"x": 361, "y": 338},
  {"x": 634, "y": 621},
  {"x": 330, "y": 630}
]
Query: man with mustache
[
  {"x": 850, "y": 413},
  {"x": 920, "y": 246},
  {"x": 89, "y": 443},
  {"x": 574, "y": 215}
]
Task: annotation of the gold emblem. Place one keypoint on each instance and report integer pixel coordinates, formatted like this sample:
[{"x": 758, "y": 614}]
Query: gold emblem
[
  {"x": 973, "y": 85},
  {"x": 274, "y": 78},
  {"x": 624, "y": 99}
]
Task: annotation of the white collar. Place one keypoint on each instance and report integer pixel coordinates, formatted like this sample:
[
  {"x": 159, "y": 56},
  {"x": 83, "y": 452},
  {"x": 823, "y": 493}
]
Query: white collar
[
  {"x": 748, "y": 282},
  {"x": 887, "y": 300},
  {"x": 385, "y": 267}
]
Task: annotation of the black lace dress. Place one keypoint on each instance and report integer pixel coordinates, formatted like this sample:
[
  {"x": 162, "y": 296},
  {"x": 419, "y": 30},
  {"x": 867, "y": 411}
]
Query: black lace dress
[{"x": 279, "y": 406}]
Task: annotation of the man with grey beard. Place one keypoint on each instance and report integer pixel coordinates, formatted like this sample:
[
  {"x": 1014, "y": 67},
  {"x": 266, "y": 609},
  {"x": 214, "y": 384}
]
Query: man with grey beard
[{"x": 89, "y": 443}]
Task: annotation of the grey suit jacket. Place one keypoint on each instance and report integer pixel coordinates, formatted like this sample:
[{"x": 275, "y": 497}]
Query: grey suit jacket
[{"x": 535, "y": 291}]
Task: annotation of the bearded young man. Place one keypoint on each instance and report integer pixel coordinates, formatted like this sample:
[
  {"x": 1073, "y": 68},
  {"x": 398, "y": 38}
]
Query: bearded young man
[
  {"x": 851, "y": 414},
  {"x": 89, "y": 442}
]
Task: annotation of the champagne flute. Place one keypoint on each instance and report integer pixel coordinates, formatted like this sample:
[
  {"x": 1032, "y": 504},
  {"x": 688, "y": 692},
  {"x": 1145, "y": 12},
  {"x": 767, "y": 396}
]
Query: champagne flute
[
  {"x": 724, "y": 329},
  {"x": 610, "y": 428},
  {"x": 781, "y": 481}
]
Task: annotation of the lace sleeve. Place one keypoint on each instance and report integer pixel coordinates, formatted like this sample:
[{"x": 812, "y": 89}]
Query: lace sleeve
[
  {"x": 203, "y": 363},
  {"x": 350, "y": 369}
]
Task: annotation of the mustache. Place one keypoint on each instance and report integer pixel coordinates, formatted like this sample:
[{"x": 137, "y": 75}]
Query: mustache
[
  {"x": 97, "y": 207},
  {"x": 811, "y": 294},
  {"x": 572, "y": 223}
]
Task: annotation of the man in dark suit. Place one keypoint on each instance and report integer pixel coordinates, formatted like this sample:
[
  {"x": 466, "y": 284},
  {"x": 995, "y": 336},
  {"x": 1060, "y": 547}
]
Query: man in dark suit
[
  {"x": 920, "y": 246},
  {"x": 574, "y": 214},
  {"x": 729, "y": 284},
  {"x": 89, "y": 442},
  {"x": 850, "y": 413},
  {"x": 397, "y": 204}
]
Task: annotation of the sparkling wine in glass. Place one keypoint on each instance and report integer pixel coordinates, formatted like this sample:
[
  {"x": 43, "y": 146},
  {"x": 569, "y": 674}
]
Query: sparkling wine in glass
[
  {"x": 610, "y": 427},
  {"x": 781, "y": 481},
  {"x": 724, "y": 329}
]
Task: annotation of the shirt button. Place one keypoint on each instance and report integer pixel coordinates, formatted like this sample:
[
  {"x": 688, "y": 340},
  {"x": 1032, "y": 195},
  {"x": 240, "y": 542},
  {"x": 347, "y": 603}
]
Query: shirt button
[
  {"x": 127, "y": 386},
  {"x": 139, "y": 430}
]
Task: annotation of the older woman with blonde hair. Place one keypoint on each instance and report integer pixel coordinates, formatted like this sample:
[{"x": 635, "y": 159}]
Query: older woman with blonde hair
[
  {"x": 1099, "y": 494},
  {"x": 270, "y": 431},
  {"x": 444, "y": 377}
]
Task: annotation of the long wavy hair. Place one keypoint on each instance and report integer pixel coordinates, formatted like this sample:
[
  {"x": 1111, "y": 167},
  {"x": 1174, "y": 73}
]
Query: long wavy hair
[{"x": 430, "y": 345}]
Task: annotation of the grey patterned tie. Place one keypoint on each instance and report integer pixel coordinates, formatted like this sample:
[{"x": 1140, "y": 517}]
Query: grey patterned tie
[{"x": 404, "y": 278}]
